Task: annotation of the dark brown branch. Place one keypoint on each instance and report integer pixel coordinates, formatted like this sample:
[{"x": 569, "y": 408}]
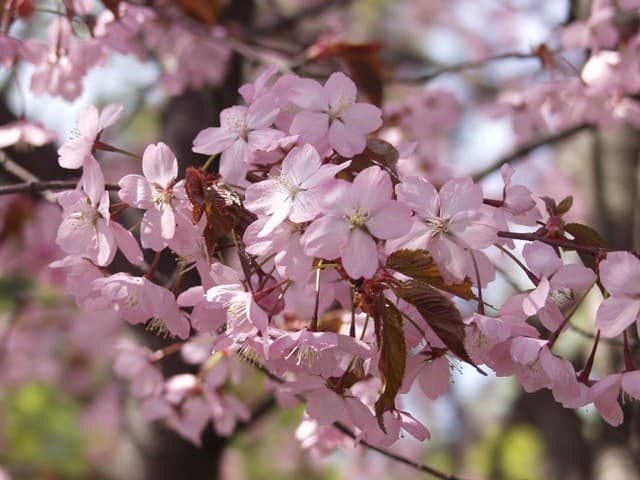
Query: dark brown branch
[
  {"x": 285, "y": 23},
  {"x": 528, "y": 148},
  {"x": 460, "y": 67},
  {"x": 398, "y": 458},
  {"x": 41, "y": 186},
  {"x": 346, "y": 431},
  {"x": 555, "y": 242}
]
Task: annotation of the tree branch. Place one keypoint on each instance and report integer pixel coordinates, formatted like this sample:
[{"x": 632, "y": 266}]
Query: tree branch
[
  {"x": 347, "y": 431},
  {"x": 530, "y": 147},
  {"x": 284, "y": 23},
  {"x": 459, "y": 67},
  {"x": 37, "y": 186}
]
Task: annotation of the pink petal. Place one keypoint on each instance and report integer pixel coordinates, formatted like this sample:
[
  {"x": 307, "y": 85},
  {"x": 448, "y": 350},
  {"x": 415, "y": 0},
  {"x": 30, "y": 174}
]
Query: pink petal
[
  {"x": 109, "y": 115},
  {"x": 620, "y": 274},
  {"x": 360, "y": 255},
  {"x": 391, "y": 221},
  {"x": 310, "y": 126},
  {"x": 88, "y": 122},
  {"x": 262, "y": 112},
  {"x": 434, "y": 378},
  {"x": 616, "y": 314},
  {"x": 459, "y": 195},
  {"x": 159, "y": 164},
  {"x": 605, "y": 397},
  {"x": 233, "y": 162},
  {"x": 264, "y": 140},
  {"x": 541, "y": 259},
  {"x": 135, "y": 190},
  {"x": 127, "y": 243},
  {"x": 363, "y": 116},
  {"x": 325, "y": 406},
  {"x": 372, "y": 189},
  {"x": 346, "y": 139},
  {"x": 93, "y": 180},
  {"x": 213, "y": 140},
  {"x": 325, "y": 236},
  {"x": 340, "y": 90},
  {"x": 420, "y": 195},
  {"x": 309, "y": 95}
]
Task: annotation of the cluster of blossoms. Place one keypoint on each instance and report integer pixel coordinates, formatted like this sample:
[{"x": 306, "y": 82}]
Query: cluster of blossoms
[
  {"x": 162, "y": 30},
  {"x": 322, "y": 262},
  {"x": 344, "y": 266}
]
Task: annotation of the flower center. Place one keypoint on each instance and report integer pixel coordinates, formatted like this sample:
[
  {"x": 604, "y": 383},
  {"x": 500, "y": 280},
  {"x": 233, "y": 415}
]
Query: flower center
[
  {"x": 357, "y": 217},
  {"x": 440, "y": 226},
  {"x": 235, "y": 120}
]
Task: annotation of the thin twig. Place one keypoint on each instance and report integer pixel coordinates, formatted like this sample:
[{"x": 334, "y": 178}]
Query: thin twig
[
  {"x": 554, "y": 242},
  {"x": 528, "y": 148},
  {"x": 347, "y": 431},
  {"x": 37, "y": 186},
  {"x": 284, "y": 23},
  {"x": 462, "y": 66}
]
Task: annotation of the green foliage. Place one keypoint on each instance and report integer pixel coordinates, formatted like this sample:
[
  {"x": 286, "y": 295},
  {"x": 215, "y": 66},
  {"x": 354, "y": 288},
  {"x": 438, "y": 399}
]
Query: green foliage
[
  {"x": 40, "y": 433},
  {"x": 516, "y": 453}
]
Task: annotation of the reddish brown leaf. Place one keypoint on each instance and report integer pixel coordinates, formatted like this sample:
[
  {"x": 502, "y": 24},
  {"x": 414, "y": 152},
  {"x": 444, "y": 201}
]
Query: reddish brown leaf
[
  {"x": 221, "y": 205},
  {"x": 565, "y": 205},
  {"x": 392, "y": 355},
  {"x": 206, "y": 11},
  {"x": 419, "y": 265},
  {"x": 585, "y": 235},
  {"x": 439, "y": 312},
  {"x": 362, "y": 62},
  {"x": 377, "y": 152}
]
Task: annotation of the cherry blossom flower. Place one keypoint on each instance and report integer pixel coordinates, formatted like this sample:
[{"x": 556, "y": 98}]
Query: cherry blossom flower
[
  {"x": 9, "y": 48},
  {"x": 620, "y": 275},
  {"x": 433, "y": 375},
  {"x": 242, "y": 131},
  {"x": 158, "y": 193},
  {"x": 25, "y": 133},
  {"x": 331, "y": 112},
  {"x": 91, "y": 123},
  {"x": 284, "y": 243},
  {"x": 447, "y": 223},
  {"x": 604, "y": 394},
  {"x": 354, "y": 215},
  {"x": 86, "y": 227},
  {"x": 564, "y": 280},
  {"x": 294, "y": 193},
  {"x": 138, "y": 300},
  {"x": 62, "y": 63}
]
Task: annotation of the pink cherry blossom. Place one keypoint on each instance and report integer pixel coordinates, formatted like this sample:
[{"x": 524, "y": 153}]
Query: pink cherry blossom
[
  {"x": 137, "y": 300},
  {"x": 604, "y": 394},
  {"x": 24, "y": 134},
  {"x": 330, "y": 112},
  {"x": 242, "y": 131},
  {"x": 354, "y": 215},
  {"x": 447, "y": 223},
  {"x": 9, "y": 48},
  {"x": 564, "y": 280},
  {"x": 86, "y": 227},
  {"x": 620, "y": 275},
  {"x": 294, "y": 193},
  {"x": 62, "y": 63},
  {"x": 158, "y": 193},
  {"x": 91, "y": 123},
  {"x": 284, "y": 243}
]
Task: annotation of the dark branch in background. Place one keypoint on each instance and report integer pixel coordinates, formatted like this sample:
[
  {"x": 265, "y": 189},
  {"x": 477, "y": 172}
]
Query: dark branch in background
[
  {"x": 459, "y": 67},
  {"x": 284, "y": 23},
  {"x": 346, "y": 431},
  {"x": 530, "y": 147},
  {"x": 42, "y": 186}
]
